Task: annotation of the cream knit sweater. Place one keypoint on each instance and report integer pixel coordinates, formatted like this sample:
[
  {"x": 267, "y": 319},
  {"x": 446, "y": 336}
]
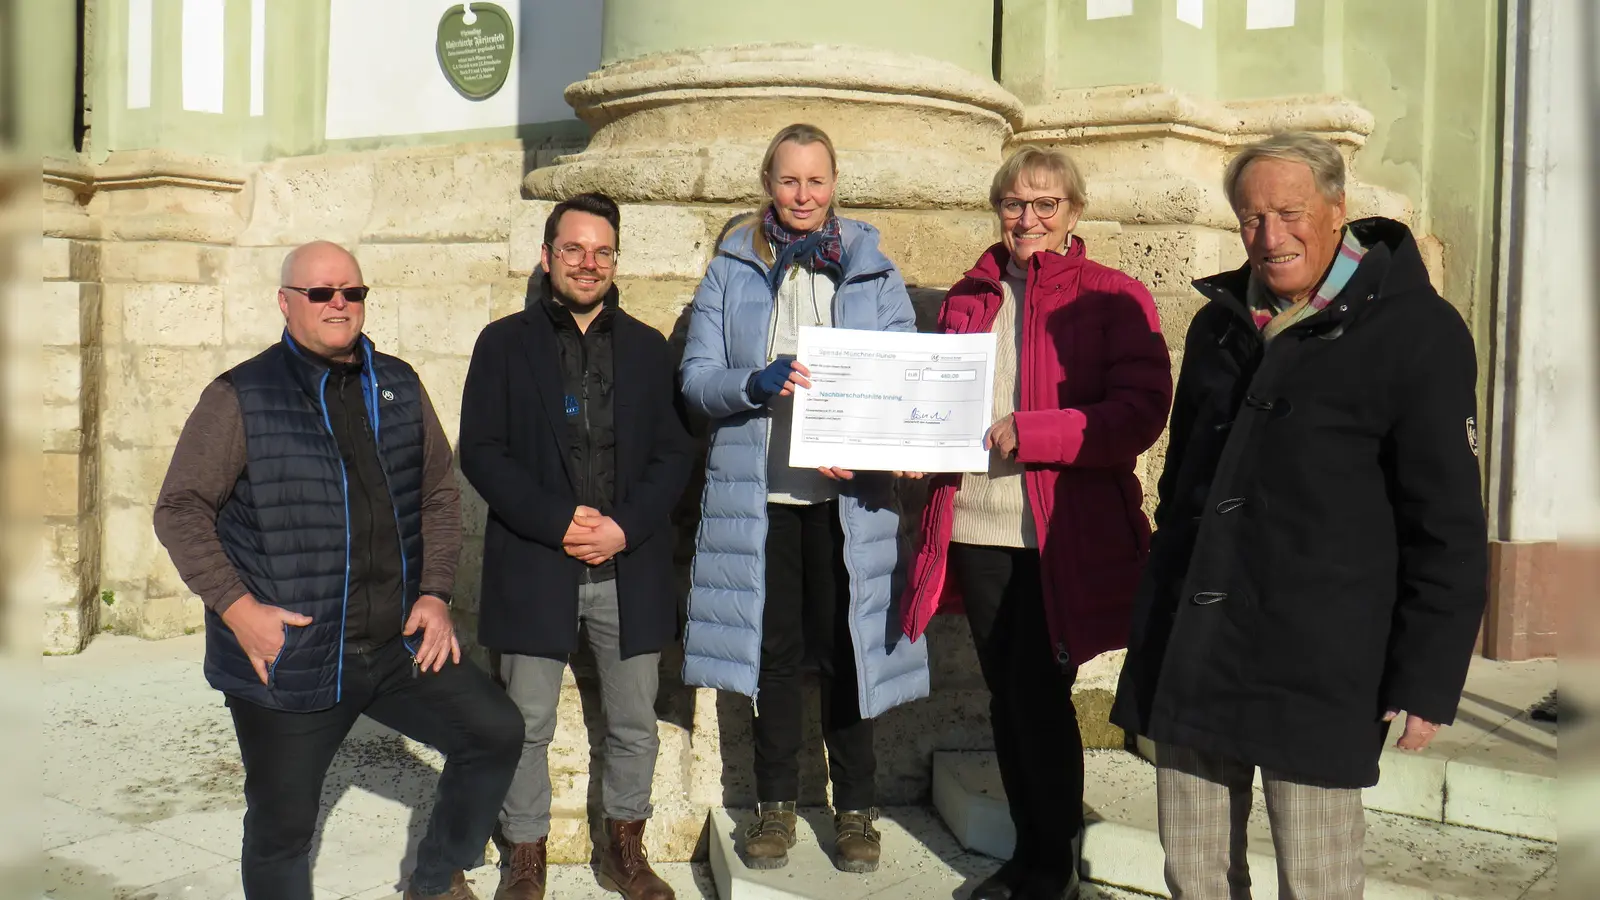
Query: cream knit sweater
[{"x": 991, "y": 508}]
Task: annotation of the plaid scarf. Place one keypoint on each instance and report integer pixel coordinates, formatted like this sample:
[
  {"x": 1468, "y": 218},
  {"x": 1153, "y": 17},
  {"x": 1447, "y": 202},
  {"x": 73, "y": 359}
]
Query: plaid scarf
[
  {"x": 820, "y": 251},
  {"x": 1273, "y": 315}
]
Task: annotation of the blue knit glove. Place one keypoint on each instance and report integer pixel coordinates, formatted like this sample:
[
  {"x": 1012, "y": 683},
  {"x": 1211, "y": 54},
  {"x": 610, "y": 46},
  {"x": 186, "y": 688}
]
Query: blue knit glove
[{"x": 765, "y": 384}]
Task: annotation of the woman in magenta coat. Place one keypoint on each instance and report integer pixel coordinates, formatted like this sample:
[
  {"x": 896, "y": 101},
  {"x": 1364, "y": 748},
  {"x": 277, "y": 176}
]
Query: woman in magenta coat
[{"x": 1043, "y": 551}]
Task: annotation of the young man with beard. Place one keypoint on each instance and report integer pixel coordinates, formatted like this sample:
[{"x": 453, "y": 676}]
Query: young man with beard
[{"x": 570, "y": 432}]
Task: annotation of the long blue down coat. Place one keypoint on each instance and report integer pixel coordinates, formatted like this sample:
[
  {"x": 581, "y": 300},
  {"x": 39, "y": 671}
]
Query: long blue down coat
[{"x": 729, "y": 327}]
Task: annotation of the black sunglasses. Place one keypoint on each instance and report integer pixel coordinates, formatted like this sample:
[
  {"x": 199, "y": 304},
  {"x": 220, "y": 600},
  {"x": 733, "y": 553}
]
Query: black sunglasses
[{"x": 324, "y": 294}]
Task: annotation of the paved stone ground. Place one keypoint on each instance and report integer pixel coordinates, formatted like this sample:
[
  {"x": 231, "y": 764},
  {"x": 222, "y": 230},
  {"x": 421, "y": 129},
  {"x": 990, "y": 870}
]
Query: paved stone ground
[
  {"x": 143, "y": 791},
  {"x": 143, "y": 797}
]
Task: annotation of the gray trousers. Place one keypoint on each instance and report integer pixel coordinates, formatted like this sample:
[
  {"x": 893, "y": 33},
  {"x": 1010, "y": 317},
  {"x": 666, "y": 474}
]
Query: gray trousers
[
  {"x": 1204, "y": 802},
  {"x": 627, "y": 697}
]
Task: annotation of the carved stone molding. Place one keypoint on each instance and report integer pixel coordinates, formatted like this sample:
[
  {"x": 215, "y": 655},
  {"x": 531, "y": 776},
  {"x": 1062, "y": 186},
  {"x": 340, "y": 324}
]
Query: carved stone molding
[
  {"x": 912, "y": 133},
  {"x": 145, "y": 195},
  {"x": 1155, "y": 156}
]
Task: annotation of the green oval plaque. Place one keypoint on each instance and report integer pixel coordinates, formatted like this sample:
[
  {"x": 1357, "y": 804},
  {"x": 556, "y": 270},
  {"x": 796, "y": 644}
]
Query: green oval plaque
[{"x": 474, "y": 48}]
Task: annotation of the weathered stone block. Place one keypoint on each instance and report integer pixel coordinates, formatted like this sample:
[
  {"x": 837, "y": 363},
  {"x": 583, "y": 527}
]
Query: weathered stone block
[
  {"x": 162, "y": 262},
  {"x": 62, "y": 375},
  {"x": 930, "y": 247},
  {"x": 60, "y": 584},
  {"x": 55, "y": 258},
  {"x": 251, "y": 319},
  {"x": 131, "y": 475},
  {"x": 441, "y": 321},
  {"x": 85, "y": 261},
  {"x": 162, "y": 579},
  {"x": 150, "y": 392},
  {"x": 444, "y": 377},
  {"x": 60, "y": 301},
  {"x": 469, "y": 574},
  {"x": 318, "y": 198},
  {"x": 507, "y": 296},
  {"x": 721, "y": 748},
  {"x": 661, "y": 303},
  {"x": 61, "y": 427},
  {"x": 129, "y": 547},
  {"x": 178, "y": 315},
  {"x": 1167, "y": 259},
  {"x": 429, "y": 195},
  {"x": 66, "y": 629},
  {"x": 258, "y": 267},
  {"x": 474, "y": 511},
  {"x": 1102, "y": 241},
  {"x": 60, "y": 480},
  {"x": 668, "y": 241},
  {"x": 382, "y": 322},
  {"x": 952, "y": 658},
  {"x": 1177, "y": 308},
  {"x": 527, "y": 234},
  {"x": 154, "y": 618},
  {"x": 397, "y": 265},
  {"x": 170, "y": 213}
]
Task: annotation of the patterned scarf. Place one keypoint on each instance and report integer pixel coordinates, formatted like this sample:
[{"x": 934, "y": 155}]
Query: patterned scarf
[
  {"x": 820, "y": 251},
  {"x": 1273, "y": 315}
]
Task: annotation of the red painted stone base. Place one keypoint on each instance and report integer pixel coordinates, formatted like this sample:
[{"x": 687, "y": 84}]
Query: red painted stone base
[{"x": 1524, "y": 601}]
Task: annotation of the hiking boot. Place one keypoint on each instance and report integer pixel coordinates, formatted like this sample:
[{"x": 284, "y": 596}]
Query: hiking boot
[
  {"x": 856, "y": 844},
  {"x": 625, "y": 867},
  {"x": 767, "y": 841},
  {"x": 522, "y": 872},
  {"x": 458, "y": 891}
]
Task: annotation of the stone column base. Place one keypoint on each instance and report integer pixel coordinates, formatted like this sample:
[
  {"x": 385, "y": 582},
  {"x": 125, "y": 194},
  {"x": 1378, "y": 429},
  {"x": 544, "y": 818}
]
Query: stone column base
[
  {"x": 1155, "y": 156},
  {"x": 912, "y": 133}
]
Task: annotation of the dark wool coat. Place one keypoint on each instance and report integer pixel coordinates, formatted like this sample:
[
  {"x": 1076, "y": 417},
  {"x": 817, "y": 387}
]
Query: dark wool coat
[
  {"x": 516, "y": 452},
  {"x": 1320, "y": 553}
]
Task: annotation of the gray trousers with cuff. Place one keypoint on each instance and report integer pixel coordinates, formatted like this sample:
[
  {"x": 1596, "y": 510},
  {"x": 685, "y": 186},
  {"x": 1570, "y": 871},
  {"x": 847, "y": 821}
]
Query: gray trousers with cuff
[{"x": 627, "y": 696}]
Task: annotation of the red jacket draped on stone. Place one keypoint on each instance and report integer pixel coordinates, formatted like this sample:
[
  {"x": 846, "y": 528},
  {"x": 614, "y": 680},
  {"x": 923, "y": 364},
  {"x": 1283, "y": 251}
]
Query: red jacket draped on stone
[{"x": 1096, "y": 386}]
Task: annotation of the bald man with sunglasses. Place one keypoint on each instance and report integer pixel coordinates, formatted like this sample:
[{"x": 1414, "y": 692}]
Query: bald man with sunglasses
[{"x": 310, "y": 503}]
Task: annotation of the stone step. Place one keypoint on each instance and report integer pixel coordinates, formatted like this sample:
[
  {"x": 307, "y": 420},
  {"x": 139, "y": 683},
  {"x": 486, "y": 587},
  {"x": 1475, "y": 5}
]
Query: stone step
[
  {"x": 1407, "y": 859},
  {"x": 1494, "y": 769},
  {"x": 921, "y": 859}
]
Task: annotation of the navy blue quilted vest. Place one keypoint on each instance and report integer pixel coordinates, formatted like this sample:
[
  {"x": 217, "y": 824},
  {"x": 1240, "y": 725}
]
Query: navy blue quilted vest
[{"x": 286, "y": 526}]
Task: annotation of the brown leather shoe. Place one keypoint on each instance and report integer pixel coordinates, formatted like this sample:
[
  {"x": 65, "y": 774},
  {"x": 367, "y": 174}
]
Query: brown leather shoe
[
  {"x": 768, "y": 839},
  {"x": 522, "y": 878},
  {"x": 458, "y": 891},
  {"x": 856, "y": 844},
  {"x": 625, "y": 867}
]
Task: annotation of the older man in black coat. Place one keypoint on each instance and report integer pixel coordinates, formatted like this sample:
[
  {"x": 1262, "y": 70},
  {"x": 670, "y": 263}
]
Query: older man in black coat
[
  {"x": 571, "y": 431},
  {"x": 1320, "y": 560}
]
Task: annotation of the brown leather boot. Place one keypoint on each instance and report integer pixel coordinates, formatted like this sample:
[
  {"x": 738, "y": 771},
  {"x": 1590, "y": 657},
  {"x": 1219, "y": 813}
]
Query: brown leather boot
[
  {"x": 856, "y": 844},
  {"x": 458, "y": 891},
  {"x": 768, "y": 839},
  {"x": 523, "y": 877},
  {"x": 625, "y": 867}
]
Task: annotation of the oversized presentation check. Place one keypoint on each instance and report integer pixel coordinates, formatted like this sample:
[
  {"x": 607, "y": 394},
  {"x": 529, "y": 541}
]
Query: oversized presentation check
[{"x": 892, "y": 401}]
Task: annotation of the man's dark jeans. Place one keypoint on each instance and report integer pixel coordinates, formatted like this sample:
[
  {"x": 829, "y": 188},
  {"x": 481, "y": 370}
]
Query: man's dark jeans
[{"x": 458, "y": 711}]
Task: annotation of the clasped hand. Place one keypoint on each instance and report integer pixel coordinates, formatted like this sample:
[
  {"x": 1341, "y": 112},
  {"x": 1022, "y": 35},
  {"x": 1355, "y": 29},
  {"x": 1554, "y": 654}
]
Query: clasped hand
[{"x": 593, "y": 538}]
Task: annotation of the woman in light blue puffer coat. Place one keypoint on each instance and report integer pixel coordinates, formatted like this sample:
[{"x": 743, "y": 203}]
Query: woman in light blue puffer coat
[{"x": 795, "y": 565}]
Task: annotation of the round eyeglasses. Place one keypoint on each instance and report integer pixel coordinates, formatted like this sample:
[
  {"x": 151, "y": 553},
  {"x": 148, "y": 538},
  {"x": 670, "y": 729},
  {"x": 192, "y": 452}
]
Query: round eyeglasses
[
  {"x": 1043, "y": 207},
  {"x": 573, "y": 255}
]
